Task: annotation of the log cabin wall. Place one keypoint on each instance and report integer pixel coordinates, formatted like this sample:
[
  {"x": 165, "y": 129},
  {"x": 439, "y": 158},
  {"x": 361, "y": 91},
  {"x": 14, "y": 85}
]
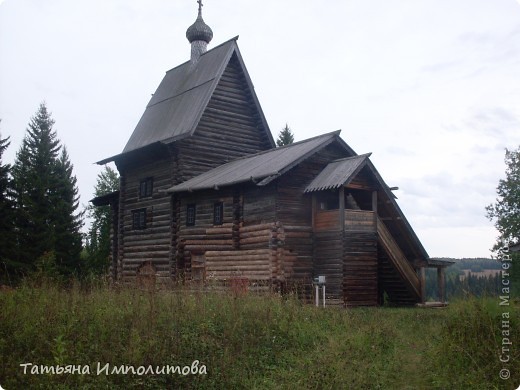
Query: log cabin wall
[
  {"x": 244, "y": 246},
  {"x": 229, "y": 128},
  {"x": 114, "y": 240},
  {"x": 203, "y": 235},
  {"x": 303, "y": 254},
  {"x": 328, "y": 261},
  {"x": 360, "y": 270},
  {"x": 150, "y": 242}
]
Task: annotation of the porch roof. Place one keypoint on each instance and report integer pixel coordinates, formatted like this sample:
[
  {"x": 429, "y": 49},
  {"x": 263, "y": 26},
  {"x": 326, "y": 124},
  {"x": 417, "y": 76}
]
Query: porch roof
[{"x": 338, "y": 173}]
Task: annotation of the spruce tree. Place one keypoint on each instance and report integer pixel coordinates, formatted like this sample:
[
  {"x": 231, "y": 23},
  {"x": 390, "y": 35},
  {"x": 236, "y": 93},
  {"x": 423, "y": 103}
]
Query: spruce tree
[
  {"x": 98, "y": 237},
  {"x": 6, "y": 216},
  {"x": 285, "y": 137},
  {"x": 68, "y": 221},
  {"x": 46, "y": 200}
]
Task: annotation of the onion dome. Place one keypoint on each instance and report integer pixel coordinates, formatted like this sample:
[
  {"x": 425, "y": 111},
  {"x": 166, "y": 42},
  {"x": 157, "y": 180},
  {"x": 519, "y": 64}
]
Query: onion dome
[{"x": 199, "y": 31}]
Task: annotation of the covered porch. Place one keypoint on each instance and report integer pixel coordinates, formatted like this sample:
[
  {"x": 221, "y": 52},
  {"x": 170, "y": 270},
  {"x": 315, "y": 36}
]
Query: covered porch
[{"x": 361, "y": 234}]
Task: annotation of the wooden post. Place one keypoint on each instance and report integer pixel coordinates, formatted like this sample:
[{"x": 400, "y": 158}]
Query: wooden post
[
  {"x": 314, "y": 204},
  {"x": 342, "y": 208},
  {"x": 441, "y": 284},
  {"x": 374, "y": 207},
  {"x": 374, "y": 201},
  {"x": 423, "y": 284}
]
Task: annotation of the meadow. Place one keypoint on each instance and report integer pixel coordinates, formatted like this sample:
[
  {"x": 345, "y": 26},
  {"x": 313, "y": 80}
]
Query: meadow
[{"x": 247, "y": 341}]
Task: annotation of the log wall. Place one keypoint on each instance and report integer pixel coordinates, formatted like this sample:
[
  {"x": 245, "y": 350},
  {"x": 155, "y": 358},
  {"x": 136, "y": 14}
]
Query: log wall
[
  {"x": 229, "y": 128},
  {"x": 152, "y": 244},
  {"x": 294, "y": 213},
  {"x": 360, "y": 280},
  {"x": 328, "y": 261}
]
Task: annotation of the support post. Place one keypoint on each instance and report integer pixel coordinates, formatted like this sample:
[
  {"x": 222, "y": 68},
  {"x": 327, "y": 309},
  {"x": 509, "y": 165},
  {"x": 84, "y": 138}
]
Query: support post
[
  {"x": 423, "y": 284},
  {"x": 441, "y": 284},
  {"x": 342, "y": 208},
  {"x": 314, "y": 205},
  {"x": 374, "y": 207}
]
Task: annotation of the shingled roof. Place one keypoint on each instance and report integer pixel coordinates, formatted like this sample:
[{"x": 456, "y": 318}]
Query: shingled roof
[
  {"x": 261, "y": 168},
  {"x": 175, "y": 109}
]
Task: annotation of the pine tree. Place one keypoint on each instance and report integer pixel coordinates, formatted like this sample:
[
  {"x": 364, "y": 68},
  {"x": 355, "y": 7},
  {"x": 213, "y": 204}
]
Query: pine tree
[
  {"x": 285, "y": 137},
  {"x": 98, "y": 237},
  {"x": 46, "y": 200}
]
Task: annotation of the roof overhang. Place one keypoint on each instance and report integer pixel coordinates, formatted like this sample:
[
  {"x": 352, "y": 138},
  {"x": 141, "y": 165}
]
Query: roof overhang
[{"x": 105, "y": 200}]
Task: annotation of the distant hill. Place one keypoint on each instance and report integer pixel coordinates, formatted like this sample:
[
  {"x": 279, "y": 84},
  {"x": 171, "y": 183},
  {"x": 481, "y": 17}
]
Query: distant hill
[{"x": 475, "y": 265}]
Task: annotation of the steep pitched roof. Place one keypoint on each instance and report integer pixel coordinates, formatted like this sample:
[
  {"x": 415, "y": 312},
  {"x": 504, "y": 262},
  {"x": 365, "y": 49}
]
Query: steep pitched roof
[
  {"x": 260, "y": 168},
  {"x": 179, "y": 102}
]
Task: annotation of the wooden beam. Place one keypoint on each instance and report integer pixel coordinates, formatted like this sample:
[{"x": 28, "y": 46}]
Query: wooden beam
[
  {"x": 374, "y": 206},
  {"x": 342, "y": 208},
  {"x": 441, "y": 284},
  {"x": 314, "y": 204},
  {"x": 423, "y": 285}
]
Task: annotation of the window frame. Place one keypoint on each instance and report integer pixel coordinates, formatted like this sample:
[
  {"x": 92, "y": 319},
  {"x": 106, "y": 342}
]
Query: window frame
[
  {"x": 218, "y": 210},
  {"x": 139, "y": 219},
  {"x": 148, "y": 187},
  {"x": 191, "y": 221}
]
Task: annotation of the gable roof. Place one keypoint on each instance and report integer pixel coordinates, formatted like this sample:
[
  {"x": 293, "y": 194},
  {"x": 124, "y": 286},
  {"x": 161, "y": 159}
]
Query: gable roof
[
  {"x": 177, "y": 105},
  {"x": 338, "y": 173},
  {"x": 261, "y": 168}
]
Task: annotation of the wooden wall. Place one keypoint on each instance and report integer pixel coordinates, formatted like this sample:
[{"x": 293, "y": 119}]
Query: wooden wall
[
  {"x": 235, "y": 249},
  {"x": 152, "y": 244},
  {"x": 328, "y": 261},
  {"x": 229, "y": 128},
  {"x": 294, "y": 213},
  {"x": 360, "y": 277}
]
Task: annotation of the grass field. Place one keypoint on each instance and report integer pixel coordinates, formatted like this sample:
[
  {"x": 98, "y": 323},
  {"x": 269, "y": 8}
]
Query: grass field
[{"x": 247, "y": 342}]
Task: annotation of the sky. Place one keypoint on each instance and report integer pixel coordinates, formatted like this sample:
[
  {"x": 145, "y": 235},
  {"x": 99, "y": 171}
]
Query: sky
[{"x": 430, "y": 87}]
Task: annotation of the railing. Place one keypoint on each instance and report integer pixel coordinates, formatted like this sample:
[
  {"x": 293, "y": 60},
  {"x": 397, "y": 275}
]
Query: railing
[
  {"x": 358, "y": 220},
  {"x": 398, "y": 258}
]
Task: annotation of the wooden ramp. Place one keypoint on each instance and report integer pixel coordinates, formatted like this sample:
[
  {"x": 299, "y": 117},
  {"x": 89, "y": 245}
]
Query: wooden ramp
[{"x": 407, "y": 276}]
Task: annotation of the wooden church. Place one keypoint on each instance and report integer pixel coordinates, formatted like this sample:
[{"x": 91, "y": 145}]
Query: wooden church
[{"x": 206, "y": 195}]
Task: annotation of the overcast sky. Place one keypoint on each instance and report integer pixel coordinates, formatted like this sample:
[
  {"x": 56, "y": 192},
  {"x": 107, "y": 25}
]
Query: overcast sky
[{"x": 430, "y": 87}]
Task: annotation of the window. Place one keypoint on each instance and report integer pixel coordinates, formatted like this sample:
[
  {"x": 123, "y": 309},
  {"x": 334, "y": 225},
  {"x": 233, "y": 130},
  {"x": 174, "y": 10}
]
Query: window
[
  {"x": 146, "y": 187},
  {"x": 190, "y": 215},
  {"x": 139, "y": 219},
  {"x": 218, "y": 213}
]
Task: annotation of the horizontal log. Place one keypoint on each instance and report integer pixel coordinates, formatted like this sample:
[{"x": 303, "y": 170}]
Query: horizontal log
[
  {"x": 237, "y": 252},
  {"x": 250, "y": 228}
]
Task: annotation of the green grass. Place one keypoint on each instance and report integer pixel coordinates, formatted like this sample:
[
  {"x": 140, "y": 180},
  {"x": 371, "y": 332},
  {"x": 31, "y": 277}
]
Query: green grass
[{"x": 250, "y": 342}]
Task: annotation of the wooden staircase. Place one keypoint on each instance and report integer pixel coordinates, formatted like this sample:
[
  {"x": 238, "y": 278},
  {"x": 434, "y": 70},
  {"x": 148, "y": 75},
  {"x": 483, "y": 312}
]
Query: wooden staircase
[{"x": 397, "y": 259}]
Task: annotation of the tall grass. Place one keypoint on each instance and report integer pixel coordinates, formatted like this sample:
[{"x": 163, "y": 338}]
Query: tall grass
[{"x": 247, "y": 341}]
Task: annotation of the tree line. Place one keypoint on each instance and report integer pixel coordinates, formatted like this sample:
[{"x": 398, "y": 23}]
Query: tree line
[
  {"x": 40, "y": 215},
  {"x": 458, "y": 286}
]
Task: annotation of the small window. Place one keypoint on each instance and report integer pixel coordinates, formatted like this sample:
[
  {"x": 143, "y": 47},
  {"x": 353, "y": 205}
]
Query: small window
[
  {"x": 190, "y": 215},
  {"x": 146, "y": 187},
  {"x": 139, "y": 219},
  {"x": 218, "y": 213}
]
